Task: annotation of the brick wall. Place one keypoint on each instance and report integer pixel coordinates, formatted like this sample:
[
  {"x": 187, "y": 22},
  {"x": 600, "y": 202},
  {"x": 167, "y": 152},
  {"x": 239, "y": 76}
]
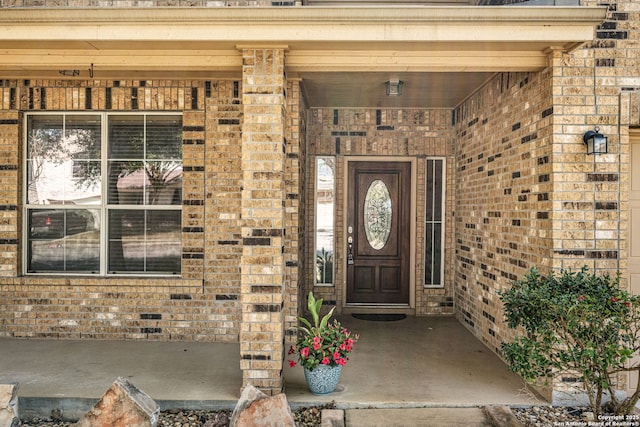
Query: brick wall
[
  {"x": 503, "y": 191},
  {"x": 527, "y": 193},
  {"x": 385, "y": 132},
  {"x": 204, "y": 303}
]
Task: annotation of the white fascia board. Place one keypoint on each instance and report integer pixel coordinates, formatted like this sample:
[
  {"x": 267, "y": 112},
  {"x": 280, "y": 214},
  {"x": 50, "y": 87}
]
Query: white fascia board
[{"x": 303, "y": 24}]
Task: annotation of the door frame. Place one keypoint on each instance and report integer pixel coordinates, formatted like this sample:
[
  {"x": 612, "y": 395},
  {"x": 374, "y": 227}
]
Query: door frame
[{"x": 412, "y": 231}]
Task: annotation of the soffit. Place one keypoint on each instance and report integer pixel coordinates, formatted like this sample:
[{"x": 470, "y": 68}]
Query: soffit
[{"x": 333, "y": 50}]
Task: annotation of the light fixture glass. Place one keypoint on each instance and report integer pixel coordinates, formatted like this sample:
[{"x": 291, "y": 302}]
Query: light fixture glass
[
  {"x": 596, "y": 142},
  {"x": 394, "y": 87}
]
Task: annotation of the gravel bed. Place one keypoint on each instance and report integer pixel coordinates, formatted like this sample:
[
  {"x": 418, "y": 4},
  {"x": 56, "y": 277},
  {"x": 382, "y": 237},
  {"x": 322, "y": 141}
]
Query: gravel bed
[
  {"x": 304, "y": 417},
  {"x": 542, "y": 416},
  {"x": 535, "y": 416}
]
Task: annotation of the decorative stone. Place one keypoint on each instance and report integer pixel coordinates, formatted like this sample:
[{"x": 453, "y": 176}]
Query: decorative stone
[
  {"x": 502, "y": 416},
  {"x": 9, "y": 405},
  {"x": 256, "y": 409},
  {"x": 122, "y": 405}
]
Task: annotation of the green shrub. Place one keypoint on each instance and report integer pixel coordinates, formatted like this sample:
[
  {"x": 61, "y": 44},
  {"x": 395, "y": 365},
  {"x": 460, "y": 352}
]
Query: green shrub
[{"x": 575, "y": 324}]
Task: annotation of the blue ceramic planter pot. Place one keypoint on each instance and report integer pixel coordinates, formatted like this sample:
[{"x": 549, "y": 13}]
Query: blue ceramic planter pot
[{"x": 323, "y": 379}]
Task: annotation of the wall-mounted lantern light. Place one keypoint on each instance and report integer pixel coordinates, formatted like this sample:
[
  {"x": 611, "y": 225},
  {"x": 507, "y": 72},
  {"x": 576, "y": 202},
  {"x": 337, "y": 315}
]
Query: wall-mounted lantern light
[
  {"x": 394, "y": 87},
  {"x": 596, "y": 142}
]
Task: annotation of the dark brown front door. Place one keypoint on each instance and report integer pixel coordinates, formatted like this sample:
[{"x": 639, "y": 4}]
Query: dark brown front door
[{"x": 378, "y": 232}]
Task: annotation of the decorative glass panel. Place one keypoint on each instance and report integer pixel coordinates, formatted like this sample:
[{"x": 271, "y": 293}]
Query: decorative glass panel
[
  {"x": 325, "y": 195},
  {"x": 377, "y": 214}
]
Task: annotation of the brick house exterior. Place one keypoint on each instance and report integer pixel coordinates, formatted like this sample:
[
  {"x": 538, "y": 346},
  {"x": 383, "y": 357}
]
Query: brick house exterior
[{"x": 518, "y": 191}]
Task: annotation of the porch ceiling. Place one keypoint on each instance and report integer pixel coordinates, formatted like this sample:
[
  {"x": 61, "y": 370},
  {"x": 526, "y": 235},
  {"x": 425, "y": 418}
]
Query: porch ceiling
[{"x": 343, "y": 55}]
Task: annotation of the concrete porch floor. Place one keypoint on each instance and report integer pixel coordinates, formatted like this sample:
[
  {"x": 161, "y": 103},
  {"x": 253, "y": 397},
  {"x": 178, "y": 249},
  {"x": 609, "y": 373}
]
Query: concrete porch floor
[{"x": 415, "y": 362}]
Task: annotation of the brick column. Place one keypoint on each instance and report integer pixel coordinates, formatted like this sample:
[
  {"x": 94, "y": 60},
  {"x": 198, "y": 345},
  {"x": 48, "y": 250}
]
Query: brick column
[{"x": 263, "y": 212}]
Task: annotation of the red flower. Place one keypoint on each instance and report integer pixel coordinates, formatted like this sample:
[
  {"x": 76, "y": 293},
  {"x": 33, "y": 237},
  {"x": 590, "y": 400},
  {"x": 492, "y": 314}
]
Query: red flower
[
  {"x": 336, "y": 356},
  {"x": 581, "y": 298},
  {"x": 291, "y": 350},
  {"x": 316, "y": 343},
  {"x": 342, "y": 361},
  {"x": 349, "y": 344},
  {"x": 292, "y": 363},
  {"x": 304, "y": 352},
  {"x": 614, "y": 299},
  {"x": 325, "y": 360}
]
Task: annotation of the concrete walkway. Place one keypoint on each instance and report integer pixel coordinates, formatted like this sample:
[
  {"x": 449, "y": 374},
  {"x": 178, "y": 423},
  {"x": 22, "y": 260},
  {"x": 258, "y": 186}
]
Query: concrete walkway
[{"x": 418, "y": 362}]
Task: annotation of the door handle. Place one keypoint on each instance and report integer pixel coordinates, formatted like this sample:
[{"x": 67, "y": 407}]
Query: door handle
[{"x": 350, "y": 260}]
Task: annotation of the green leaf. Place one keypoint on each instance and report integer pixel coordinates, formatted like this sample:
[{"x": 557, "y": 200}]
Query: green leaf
[
  {"x": 325, "y": 319},
  {"x": 314, "y": 308}
]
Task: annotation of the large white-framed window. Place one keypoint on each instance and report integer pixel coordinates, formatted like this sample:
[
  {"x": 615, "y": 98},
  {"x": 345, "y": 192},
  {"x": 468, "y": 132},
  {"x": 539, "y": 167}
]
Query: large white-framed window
[
  {"x": 103, "y": 193},
  {"x": 434, "y": 222},
  {"x": 324, "y": 239}
]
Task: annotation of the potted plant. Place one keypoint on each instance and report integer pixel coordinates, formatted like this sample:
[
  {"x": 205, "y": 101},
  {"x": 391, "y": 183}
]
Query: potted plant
[{"x": 322, "y": 348}]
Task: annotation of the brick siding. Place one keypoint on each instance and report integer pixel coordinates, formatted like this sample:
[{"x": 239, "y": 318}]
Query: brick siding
[{"x": 202, "y": 305}]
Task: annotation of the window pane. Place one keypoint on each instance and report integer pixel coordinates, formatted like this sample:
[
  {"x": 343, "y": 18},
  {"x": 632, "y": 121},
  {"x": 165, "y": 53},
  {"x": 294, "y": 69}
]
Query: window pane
[
  {"x": 126, "y": 137},
  {"x": 149, "y": 183},
  {"x": 82, "y": 133},
  {"x": 144, "y": 241},
  {"x": 428, "y": 255},
  {"x": 164, "y": 183},
  {"x": 437, "y": 190},
  {"x": 54, "y": 176},
  {"x": 433, "y": 269},
  {"x": 146, "y": 169},
  {"x": 64, "y": 240},
  {"x": 325, "y": 193},
  {"x": 127, "y": 182},
  {"x": 164, "y": 138}
]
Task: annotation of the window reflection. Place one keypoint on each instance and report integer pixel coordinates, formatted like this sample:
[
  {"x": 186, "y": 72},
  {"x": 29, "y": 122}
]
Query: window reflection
[
  {"x": 324, "y": 213},
  {"x": 64, "y": 240},
  {"x": 144, "y": 240},
  {"x": 63, "y": 160}
]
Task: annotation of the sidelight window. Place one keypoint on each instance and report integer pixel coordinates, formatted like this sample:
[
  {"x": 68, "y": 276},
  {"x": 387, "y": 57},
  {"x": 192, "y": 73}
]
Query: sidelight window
[
  {"x": 434, "y": 223},
  {"x": 324, "y": 219}
]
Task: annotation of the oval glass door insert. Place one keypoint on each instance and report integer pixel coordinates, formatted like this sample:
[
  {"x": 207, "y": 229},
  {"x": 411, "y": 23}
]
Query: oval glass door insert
[{"x": 377, "y": 214}]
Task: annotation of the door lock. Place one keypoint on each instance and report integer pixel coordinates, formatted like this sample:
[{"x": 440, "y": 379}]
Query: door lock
[{"x": 350, "y": 260}]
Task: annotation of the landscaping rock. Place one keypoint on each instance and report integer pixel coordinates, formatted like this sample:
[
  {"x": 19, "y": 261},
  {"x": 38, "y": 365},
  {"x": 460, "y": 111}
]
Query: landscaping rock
[
  {"x": 256, "y": 409},
  {"x": 122, "y": 405},
  {"x": 502, "y": 416},
  {"x": 9, "y": 405}
]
